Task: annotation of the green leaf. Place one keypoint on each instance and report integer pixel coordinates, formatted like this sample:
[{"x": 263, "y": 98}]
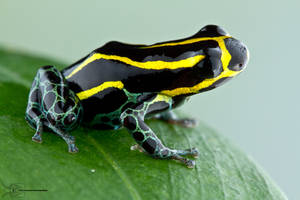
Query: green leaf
[{"x": 105, "y": 167}]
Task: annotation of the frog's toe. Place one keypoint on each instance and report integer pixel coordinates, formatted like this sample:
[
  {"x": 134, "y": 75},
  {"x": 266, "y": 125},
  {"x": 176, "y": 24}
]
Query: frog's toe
[
  {"x": 188, "y": 152},
  {"x": 37, "y": 138},
  {"x": 136, "y": 147},
  {"x": 188, "y": 162},
  {"x": 73, "y": 148},
  {"x": 193, "y": 152}
]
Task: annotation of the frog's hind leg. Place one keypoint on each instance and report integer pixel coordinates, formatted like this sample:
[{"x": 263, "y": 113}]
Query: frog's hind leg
[
  {"x": 53, "y": 105},
  {"x": 171, "y": 118},
  {"x": 133, "y": 119}
]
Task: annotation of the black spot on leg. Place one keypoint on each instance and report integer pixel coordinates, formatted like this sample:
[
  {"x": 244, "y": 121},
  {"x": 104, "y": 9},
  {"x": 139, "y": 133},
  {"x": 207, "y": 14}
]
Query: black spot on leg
[
  {"x": 130, "y": 123},
  {"x": 36, "y": 111},
  {"x": 51, "y": 118},
  {"x": 33, "y": 112},
  {"x": 142, "y": 124},
  {"x": 48, "y": 100},
  {"x": 138, "y": 136},
  {"x": 53, "y": 77},
  {"x": 58, "y": 107},
  {"x": 149, "y": 145}
]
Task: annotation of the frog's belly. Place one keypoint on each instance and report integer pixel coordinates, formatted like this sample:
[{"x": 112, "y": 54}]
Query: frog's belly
[{"x": 103, "y": 110}]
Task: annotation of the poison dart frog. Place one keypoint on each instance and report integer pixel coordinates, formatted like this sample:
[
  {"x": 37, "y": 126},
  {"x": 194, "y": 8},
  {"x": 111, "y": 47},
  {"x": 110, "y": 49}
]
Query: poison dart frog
[{"x": 121, "y": 84}]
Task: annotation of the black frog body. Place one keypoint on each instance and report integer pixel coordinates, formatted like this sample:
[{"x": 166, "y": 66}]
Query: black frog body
[{"x": 120, "y": 84}]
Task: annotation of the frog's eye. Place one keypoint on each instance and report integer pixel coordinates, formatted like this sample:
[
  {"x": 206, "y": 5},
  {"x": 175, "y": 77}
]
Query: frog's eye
[{"x": 238, "y": 67}]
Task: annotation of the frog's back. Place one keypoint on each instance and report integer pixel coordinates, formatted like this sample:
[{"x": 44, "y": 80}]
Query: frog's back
[
  {"x": 139, "y": 68},
  {"x": 115, "y": 74}
]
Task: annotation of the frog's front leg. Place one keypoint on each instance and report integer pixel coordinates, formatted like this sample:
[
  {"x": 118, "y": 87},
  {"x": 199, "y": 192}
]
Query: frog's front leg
[
  {"x": 133, "y": 119},
  {"x": 52, "y": 105},
  {"x": 172, "y": 118}
]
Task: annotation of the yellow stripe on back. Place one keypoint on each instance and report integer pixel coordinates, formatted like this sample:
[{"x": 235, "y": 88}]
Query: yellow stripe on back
[
  {"x": 155, "y": 65},
  {"x": 88, "y": 93}
]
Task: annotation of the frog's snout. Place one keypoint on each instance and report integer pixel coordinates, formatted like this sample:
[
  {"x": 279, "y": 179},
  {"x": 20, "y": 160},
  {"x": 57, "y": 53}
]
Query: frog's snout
[{"x": 239, "y": 54}]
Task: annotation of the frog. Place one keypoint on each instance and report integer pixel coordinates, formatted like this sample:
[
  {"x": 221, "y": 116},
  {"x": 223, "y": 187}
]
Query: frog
[{"x": 121, "y": 85}]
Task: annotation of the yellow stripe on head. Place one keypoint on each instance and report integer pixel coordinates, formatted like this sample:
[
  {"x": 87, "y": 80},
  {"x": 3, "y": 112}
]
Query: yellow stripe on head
[{"x": 189, "y": 41}]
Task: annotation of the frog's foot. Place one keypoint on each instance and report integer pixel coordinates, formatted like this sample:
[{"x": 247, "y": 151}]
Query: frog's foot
[
  {"x": 72, "y": 148},
  {"x": 189, "y": 163},
  {"x": 187, "y": 122},
  {"x": 37, "y": 137},
  {"x": 173, "y": 154},
  {"x": 137, "y": 147},
  {"x": 167, "y": 153},
  {"x": 70, "y": 140}
]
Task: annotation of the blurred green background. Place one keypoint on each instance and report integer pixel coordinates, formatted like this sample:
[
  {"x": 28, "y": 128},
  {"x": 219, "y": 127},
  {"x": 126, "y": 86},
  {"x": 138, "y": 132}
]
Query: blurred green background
[{"x": 259, "y": 109}]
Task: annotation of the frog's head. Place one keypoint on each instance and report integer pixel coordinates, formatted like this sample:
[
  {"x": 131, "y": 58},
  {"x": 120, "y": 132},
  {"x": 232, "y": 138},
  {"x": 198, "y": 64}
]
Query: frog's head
[
  {"x": 227, "y": 59},
  {"x": 239, "y": 54},
  {"x": 234, "y": 50}
]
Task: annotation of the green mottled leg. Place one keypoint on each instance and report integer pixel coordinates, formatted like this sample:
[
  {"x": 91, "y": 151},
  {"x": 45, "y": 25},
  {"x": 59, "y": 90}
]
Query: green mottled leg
[
  {"x": 51, "y": 104},
  {"x": 170, "y": 117},
  {"x": 133, "y": 120}
]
